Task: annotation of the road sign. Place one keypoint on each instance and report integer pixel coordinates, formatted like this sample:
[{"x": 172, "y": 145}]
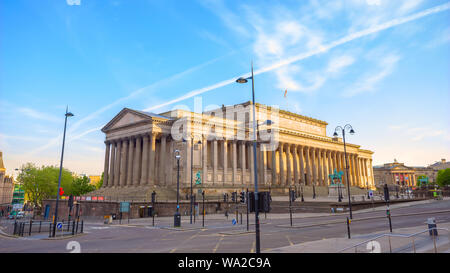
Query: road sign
[
  {"x": 59, "y": 225},
  {"x": 124, "y": 206},
  {"x": 371, "y": 193},
  {"x": 233, "y": 221}
]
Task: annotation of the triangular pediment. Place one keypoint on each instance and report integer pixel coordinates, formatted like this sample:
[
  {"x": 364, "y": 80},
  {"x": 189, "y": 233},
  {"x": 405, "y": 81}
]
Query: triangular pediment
[{"x": 125, "y": 118}]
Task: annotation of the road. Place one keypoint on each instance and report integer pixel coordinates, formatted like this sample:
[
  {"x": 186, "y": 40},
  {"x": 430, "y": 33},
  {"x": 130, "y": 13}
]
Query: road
[{"x": 221, "y": 236}]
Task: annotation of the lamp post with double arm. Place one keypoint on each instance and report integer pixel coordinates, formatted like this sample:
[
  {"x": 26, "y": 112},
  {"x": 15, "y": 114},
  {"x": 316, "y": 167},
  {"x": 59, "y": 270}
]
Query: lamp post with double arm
[{"x": 351, "y": 131}]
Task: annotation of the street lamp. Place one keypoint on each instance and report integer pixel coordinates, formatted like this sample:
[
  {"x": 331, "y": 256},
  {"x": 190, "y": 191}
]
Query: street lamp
[
  {"x": 192, "y": 160},
  {"x": 351, "y": 131},
  {"x": 257, "y": 241},
  {"x": 177, "y": 216},
  {"x": 68, "y": 114}
]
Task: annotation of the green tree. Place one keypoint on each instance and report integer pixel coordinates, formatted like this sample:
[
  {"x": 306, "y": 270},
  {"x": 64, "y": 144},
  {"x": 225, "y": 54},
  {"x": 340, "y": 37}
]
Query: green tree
[
  {"x": 419, "y": 183},
  {"x": 443, "y": 177},
  {"x": 81, "y": 186},
  {"x": 42, "y": 183}
]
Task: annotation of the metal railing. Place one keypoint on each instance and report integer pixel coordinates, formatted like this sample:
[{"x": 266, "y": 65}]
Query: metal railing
[
  {"x": 27, "y": 228},
  {"x": 432, "y": 231}
]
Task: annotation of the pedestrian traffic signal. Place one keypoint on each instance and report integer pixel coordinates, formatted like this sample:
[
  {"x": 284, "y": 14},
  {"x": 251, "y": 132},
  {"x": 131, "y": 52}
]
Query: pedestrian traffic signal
[
  {"x": 153, "y": 197},
  {"x": 70, "y": 203},
  {"x": 242, "y": 196},
  {"x": 293, "y": 195},
  {"x": 386, "y": 193},
  {"x": 61, "y": 192}
]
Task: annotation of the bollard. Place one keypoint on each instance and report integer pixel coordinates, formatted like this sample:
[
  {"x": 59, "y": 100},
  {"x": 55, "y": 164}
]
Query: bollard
[
  {"x": 31, "y": 224},
  {"x": 50, "y": 230},
  {"x": 348, "y": 227},
  {"x": 15, "y": 227},
  {"x": 82, "y": 224},
  {"x": 73, "y": 227},
  {"x": 40, "y": 224}
]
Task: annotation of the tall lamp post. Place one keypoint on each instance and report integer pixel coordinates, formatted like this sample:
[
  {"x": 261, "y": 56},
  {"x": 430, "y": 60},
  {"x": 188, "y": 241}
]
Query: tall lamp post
[
  {"x": 257, "y": 241},
  {"x": 351, "y": 131},
  {"x": 68, "y": 114},
  {"x": 177, "y": 217},
  {"x": 192, "y": 159}
]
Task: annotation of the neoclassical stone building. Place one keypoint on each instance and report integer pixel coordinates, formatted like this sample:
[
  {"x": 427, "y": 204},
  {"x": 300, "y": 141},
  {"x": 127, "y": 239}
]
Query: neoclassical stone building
[{"x": 292, "y": 150}]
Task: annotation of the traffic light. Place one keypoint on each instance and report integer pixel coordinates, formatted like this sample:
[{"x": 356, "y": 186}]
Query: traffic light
[
  {"x": 61, "y": 192},
  {"x": 386, "y": 193},
  {"x": 153, "y": 197},
  {"x": 264, "y": 201},
  {"x": 225, "y": 197},
  {"x": 233, "y": 196},
  {"x": 242, "y": 196},
  {"x": 70, "y": 202},
  {"x": 293, "y": 195}
]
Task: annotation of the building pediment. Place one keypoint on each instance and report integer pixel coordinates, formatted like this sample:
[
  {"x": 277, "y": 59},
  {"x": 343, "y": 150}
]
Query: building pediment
[{"x": 128, "y": 117}]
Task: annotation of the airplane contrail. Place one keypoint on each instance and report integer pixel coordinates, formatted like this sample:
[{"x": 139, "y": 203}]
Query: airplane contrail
[
  {"x": 302, "y": 56},
  {"x": 287, "y": 61}
]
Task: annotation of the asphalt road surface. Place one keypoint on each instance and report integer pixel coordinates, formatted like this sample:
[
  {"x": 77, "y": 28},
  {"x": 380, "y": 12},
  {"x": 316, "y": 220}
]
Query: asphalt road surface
[{"x": 221, "y": 236}]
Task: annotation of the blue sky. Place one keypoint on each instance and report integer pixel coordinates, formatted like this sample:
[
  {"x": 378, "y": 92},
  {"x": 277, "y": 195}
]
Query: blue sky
[{"x": 382, "y": 66}]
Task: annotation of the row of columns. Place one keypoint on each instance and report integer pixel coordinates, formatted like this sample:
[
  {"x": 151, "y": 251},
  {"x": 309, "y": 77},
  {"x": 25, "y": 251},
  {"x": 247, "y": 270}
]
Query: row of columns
[
  {"x": 295, "y": 164},
  {"x": 132, "y": 161},
  {"x": 137, "y": 161}
]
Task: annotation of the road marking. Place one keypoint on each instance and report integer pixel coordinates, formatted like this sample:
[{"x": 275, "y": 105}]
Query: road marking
[
  {"x": 188, "y": 239},
  {"x": 218, "y": 243},
  {"x": 253, "y": 247},
  {"x": 289, "y": 240}
]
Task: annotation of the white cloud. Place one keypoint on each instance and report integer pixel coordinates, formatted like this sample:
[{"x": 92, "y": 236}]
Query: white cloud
[
  {"x": 369, "y": 81},
  {"x": 338, "y": 63},
  {"x": 31, "y": 113}
]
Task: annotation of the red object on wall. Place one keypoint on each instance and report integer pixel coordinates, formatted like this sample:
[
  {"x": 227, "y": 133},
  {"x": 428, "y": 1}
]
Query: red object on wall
[{"x": 61, "y": 192}]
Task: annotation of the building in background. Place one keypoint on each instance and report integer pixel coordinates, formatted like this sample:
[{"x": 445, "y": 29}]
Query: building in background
[
  {"x": 6, "y": 187},
  {"x": 94, "y": 179},
  {"x": 400, "y": 175},
  {"x": 140, "y": 148}
]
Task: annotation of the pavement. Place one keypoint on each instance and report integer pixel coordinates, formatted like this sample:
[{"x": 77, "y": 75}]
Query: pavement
[
  {"x": 400, "y": 240},
  {"x": 220, "y": 235}
]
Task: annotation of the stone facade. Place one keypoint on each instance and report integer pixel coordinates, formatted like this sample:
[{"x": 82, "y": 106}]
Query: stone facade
[
  {"x": 291, "y": 150},
  {"x": 6, "y": 185}
]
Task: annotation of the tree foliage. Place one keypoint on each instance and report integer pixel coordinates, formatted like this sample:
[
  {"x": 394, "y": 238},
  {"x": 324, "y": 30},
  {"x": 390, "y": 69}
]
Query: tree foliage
[
  {"x": 41, "y": 183},
  {"x": 81, "y": 186},
  {"x": 443, "y": 177}
]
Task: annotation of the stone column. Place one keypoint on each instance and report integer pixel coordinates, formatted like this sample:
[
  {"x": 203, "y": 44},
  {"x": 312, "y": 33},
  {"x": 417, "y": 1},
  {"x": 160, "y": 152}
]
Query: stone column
[
  {"x": 215, "y": 161},
  {"x": 225, "y": 161},
  {"x": 123, "y": 163},
  {"x": 137, "y": 162},
  {"x": 243, "y": 163},
  {"x": 112, "y": 165},
  {"x": 274, "y": 167},
  {"x": 106, "y": 168},
  {"x": 281, "y": 156},
  {"x": 130, "y": 162},
  {"x": 320, "y": 166},
  {"x": 295, "y": 155},
  {"x": 355, "y": 175},
  {"x": 302, "y": 165},
  {"x": 152, "y": 155},
  {"x": 117, "y": 164},
  {"x": 288, "y": 165},
  {"x": 205, "y": 160},
  {"x": 162, "y": 158},
  {"x": 329, "y": 167},
  {"x": 234, "y": 174},
  {"x": 264, "y": 164},
  {"x": 308, "y": 166},
  {"x": 144, "y": 167},
  {"x": 314, "y": 165}
]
